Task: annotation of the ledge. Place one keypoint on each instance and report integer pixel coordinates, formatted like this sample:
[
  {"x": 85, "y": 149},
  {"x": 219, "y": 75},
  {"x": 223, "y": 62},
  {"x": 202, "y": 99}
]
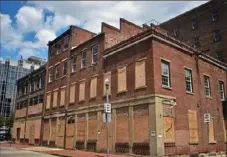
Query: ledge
[
  {"x": 209, "y": 97},
  {"x": 165, "y": 87},
  {"x": 190, "y": 93},
  {"x": 121, "y": 92},
  {"x": 193, "y": 143},
  {"x": 141, "y": 87},
  {"x": 212, "y": 142},
  {"x": 93, "y": 98}
]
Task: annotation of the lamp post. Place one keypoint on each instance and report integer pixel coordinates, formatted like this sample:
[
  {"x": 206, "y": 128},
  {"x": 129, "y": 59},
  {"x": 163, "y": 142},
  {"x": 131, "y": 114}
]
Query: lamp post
[{"x": 107, "y": 84}]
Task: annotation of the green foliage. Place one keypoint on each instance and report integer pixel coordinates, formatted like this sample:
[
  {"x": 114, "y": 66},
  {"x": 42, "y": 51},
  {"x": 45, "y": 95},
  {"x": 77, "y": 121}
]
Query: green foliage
[{"x": 7, "y": 121}]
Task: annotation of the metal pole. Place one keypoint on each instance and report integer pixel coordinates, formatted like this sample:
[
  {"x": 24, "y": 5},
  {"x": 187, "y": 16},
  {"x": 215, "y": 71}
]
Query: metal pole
[{"x": 107, "y": 123}]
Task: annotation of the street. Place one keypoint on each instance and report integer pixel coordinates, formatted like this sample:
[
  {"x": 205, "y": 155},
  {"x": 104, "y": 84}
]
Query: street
[{"x": 10, "y": 152}]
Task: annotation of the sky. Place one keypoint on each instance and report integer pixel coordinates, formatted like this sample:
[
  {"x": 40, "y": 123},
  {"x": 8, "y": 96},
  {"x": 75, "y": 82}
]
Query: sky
[{"x": 27, "y": 26}]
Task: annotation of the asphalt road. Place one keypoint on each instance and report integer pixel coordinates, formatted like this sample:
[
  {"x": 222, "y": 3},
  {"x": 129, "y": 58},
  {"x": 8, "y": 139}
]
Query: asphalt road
[{"x": 10, "y": 152}]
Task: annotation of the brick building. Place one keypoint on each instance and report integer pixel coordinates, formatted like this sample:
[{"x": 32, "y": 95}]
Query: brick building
[
  {"x": 29, "y": 107},
  {"x": 203, "y": 27},
  {"x": 160, "y": 90}
]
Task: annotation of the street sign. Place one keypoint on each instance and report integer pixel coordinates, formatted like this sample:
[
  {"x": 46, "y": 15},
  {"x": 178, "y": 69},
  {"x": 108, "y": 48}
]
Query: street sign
[
  {"x": 207, "y": 117},
  {"x": 107, "y": 108}
]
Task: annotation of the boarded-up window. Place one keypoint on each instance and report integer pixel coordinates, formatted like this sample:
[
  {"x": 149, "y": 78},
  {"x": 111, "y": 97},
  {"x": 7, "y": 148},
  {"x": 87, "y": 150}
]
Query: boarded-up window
[
  {"x": 62, "y": 101},
  {"x": 193, "y": 126},
  {"x": 93, "y": 87},
  {"x": 48, "y": 100},
  {"x": 169, "y": 134},
  {"x": 72, "y": 93},
  {"x": 211, "y": 131},
  {"x": 140, "y": 78},
  {"x": 82, "y": 90},
  {"x": 107, "y": 75},
  {"x": 55, "y": 99},
  {"x": 121, "y": 79},
  {"x": 224, "y": 130}
]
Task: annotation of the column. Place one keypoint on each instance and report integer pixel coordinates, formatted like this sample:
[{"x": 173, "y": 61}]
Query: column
[
  {"x": 86, "y": 131},
  {"x": 56, "y": 138},
  {"x": 156, "y": 141},
  {"x": 48, "y": 142},
  {"x": 130, "y": 128},
  {"x": 114, "y": 128},
  {"x": 75, "y": 133}
]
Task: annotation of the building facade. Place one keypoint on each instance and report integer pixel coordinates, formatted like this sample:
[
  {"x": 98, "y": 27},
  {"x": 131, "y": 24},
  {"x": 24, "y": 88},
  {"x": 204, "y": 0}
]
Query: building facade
[
  {"x": 29, "y": 107},
  {"x": 203, "y": 27},
  {"x": 10, "y": 72},
  {"x": 160, "y": 90}
]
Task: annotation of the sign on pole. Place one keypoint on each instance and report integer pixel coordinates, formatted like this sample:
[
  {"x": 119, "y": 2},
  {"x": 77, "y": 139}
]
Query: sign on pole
[
  {"x": 107, "y": 107},
  {"x": 207, "y": 117}
]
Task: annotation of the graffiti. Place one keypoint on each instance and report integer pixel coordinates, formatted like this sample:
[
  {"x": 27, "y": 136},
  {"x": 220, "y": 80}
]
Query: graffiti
[{"x": 141, "y": 148}]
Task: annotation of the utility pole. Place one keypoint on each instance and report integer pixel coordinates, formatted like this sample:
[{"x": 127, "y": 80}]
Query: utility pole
[{"x": 107, "y": 110}]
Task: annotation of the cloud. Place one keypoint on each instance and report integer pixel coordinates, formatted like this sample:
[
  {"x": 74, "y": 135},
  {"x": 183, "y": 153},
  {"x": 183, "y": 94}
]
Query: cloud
[{"x": 33, "y": 17}]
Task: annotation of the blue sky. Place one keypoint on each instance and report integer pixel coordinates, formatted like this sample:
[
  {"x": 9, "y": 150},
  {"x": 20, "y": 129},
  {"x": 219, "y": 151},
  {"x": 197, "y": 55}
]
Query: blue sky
[{"x": 26, "y": 27}]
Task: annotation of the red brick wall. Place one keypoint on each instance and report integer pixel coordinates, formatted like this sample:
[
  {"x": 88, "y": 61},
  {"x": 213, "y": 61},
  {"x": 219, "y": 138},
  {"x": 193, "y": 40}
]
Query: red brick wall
[{"x": 122, "y": 125}]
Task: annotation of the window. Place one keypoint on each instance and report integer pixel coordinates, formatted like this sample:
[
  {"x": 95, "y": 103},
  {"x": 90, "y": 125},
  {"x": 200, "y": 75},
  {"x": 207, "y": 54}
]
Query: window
[
  {"x": 82, "y": 90},
  {"x": 214, "y": 15},
  {"x": 140, "y": 74},
  {"x": 196, "y": 42},
  {"x": 165, "y": 74},
  {"x": 62, "y": 97},
  {"x": 72, "y": 93},
  {"x": 94, "y": 54},
  {"x": 50, "y": 75},
  {"x": 93, "y": 87},
  {"x": 66, "y": 43},
  {"x": 217, "y": 35},
  {"x": 176, "y": 32},
  {"x": 193, "y": 126},
  {"x": 194, "y": 23},
  {"x": 211, "y": 131},
  {"x": 64, "y": 68},
  {"x": 122, "y": 79},
  {"x": 83, "y": 60},
  {"x": 48, "y": 100},
  {"x": 56, "y": 72},
  {"x": 220, "y": 55},
  {"x": 57, "y": 47},
  {"x": 207, "y": 86},
  {"x": 169, "y": 134},
  {"x": 188, "y": 80},
  {"x": 222, "y": 91},
  {"x": 73, "y": 63}
]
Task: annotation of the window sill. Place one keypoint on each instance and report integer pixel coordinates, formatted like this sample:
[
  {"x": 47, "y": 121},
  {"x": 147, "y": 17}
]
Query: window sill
[
  {"x": 63, "y": 77},
  {"x": 81, "y": 101},
  {"x": 93, "y": 98},
  {"x": 212, "y": 142},
  {"x": 50, "y": 82},
  {"x": 190, "y": 93},
  {"x": 121, "y": 92},
  {"x": 141, "y": 87},
  {"x": 209, "y": 97},
  {"x": 73, "y": 72},
  {"x": 65, "y": 49},
  {"x": 56, "y": 79},
  {"x": 93, "y": 64},
  {"x": 165, "y": 87},
  {"x": 81, "y": 69},
  {"x": 193, "y": 143},
  {"x": 72, "y": 103}
]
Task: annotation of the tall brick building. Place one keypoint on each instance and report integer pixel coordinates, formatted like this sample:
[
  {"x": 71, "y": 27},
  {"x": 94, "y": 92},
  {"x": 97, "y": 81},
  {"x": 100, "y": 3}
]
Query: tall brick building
[
  {"x": 29, "y": 107},
  {"x": 203, "y": 27},
  {"x": 160, "y": 90}
]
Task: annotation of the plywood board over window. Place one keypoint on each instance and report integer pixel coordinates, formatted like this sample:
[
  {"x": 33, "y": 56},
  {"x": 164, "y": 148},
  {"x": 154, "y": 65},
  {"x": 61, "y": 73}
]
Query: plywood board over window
[
  {"x": 140, "y": 77},
  {"x": 224, "y": 130},
  {"x": 55, "y": 99},
  {"x": 82, "y": 90},
  {"x": 93, "y": 87},
  {"x": 169, "y": 132},
  {"x": 62, "y": 100},
  {"x": 107, "y": 75},
  {"x": 121, "y": 81},
  {"x": 211, "y": 131},
  {"x": 193, "y": 126},
  {"x": 48, "y": 100},
  {"x": 72, "y": 93}
]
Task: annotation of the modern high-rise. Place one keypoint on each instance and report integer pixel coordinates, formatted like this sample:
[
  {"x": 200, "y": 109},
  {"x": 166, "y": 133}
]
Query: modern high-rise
[{"x": 10, "y": 72}]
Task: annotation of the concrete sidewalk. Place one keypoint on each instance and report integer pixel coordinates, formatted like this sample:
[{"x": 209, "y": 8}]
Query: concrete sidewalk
[{"x": 59, "y": 152}]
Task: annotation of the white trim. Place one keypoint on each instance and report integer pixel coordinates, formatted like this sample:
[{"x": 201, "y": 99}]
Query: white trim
[
  {"x": 63, "y": 86},
  {"x": 57, "y": 63},
  {"x": 50, "y": 67},
  {"x": 49, "y": 92},
  {"x": 64, "y": 59}
]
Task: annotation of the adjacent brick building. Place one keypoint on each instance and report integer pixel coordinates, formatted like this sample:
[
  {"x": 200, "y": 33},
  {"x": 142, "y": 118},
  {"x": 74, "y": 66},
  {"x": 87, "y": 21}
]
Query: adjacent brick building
[
  {"x": 203, "y": 27},
  {"x": 29, "y": 107},
  {"x": 149, "y": 73}
]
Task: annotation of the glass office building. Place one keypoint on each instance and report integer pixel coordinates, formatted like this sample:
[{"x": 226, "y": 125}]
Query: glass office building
[{"x": 10, "y": 72}]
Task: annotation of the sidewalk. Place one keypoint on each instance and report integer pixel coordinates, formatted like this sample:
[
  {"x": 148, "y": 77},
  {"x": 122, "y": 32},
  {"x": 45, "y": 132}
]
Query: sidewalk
[{"x": 59, "y": 152}]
